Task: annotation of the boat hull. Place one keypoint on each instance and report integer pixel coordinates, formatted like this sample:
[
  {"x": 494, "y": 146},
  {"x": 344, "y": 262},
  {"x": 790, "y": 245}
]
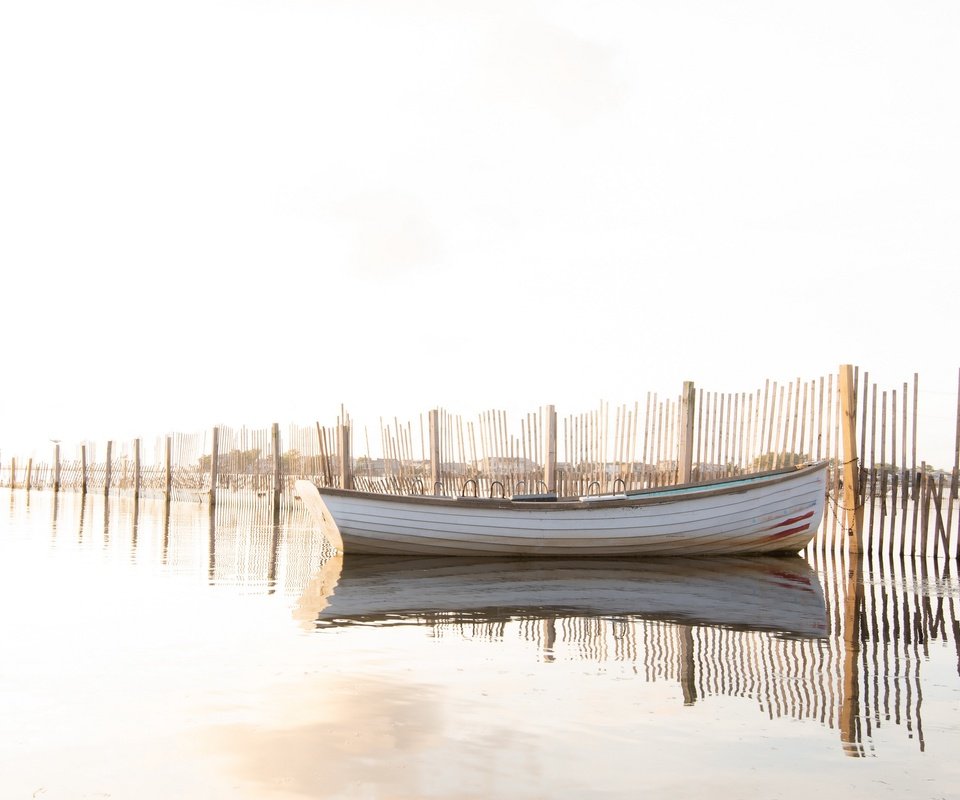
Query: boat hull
[{"x": 776, "y": 512}]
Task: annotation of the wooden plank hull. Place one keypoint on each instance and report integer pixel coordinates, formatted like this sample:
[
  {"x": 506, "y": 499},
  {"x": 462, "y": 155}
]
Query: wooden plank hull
[
  {"x": 774, "y": 512},
  {"x": 764, "y": 593}
]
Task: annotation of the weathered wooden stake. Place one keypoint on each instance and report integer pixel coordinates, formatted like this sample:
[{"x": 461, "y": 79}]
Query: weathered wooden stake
[
  {"x": 550, "y": 448},
  {"x": 29, "y": 474},
  {"x": 83, "y": 469},
  {"x": 853, "y": 509},
  {"x": 167, "y": 476},
  {"x": 688, "y": 402},
  {"x": 108, "y": 474},
  {"x": 435, "y": 472},
  {"x": 13, "y": 473},
  {"x": 56, "y": 468},
  {"x": 215, "y": 463},
  {"x": 136, "y": 469},
  {"x": 277, "y": 464},
  {"x": 956, "y": 452},
  {"x": 346, "y": 463}
]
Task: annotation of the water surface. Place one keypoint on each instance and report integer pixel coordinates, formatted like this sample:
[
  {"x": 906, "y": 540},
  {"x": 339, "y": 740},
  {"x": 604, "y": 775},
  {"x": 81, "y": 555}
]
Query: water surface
[{"x": 154, "y": 652}]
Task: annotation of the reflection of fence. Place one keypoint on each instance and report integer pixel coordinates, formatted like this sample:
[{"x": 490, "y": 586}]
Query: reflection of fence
[
  {"x": 610, "y": 448},
  {"x": 853, "y": 688}
]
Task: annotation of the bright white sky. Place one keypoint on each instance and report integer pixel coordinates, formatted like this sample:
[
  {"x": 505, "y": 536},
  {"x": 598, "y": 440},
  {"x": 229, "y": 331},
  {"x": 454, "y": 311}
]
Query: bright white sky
[{"x": 242, "y": 211}]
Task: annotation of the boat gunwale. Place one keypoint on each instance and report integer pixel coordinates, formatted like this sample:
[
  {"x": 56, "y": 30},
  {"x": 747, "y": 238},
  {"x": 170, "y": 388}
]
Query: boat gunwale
[{"x": 643, "y": 497}]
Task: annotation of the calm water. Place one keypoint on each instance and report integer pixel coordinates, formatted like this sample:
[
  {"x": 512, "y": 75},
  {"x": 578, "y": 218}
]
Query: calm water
[{"x": 147, "y": 655}]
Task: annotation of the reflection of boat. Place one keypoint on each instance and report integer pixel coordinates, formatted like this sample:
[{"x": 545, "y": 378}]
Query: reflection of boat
[
  {"x": 762, "y": 513},
  {"x": 771, "y": 593}
]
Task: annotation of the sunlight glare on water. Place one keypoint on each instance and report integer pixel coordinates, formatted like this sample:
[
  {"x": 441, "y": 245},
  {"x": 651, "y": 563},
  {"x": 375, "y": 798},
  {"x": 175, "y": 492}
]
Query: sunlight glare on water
[{"x": 154, "y": 654}]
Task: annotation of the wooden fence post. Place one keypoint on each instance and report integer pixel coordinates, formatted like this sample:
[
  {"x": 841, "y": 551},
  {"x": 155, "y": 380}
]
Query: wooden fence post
[
  {"x": 167, "y": 476},
  {"x": 29, "y": 479},
  {"x": 853, "y": 510},
  {"x": 13, "y": 473},
  {"x": 346, "y": 463},
  {"x": 136, "y": 468},
  {"x": 214, "y": 463},
  {"x": 550, "y": 448},
  {"x": 56, "y": 467},
  {"x": 688, "y": 402},
  {"x": 83, "y": 469},
  {"x": 956, "y": 452},
  {"x": 277, "y": 464},
  {"x": 435, "y": 472},
  {"x": 109, "y": 473}
]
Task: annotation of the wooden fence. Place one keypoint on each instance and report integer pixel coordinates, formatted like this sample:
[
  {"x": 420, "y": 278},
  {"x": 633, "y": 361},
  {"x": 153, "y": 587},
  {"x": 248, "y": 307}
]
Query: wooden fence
[{"x": 695, "y": 436}]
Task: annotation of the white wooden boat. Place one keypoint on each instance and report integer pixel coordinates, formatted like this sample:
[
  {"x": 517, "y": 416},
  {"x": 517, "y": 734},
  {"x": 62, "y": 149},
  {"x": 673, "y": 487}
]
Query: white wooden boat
[
  {"x": 777, "y": 511},
  {"x": 779, "y": 594}
]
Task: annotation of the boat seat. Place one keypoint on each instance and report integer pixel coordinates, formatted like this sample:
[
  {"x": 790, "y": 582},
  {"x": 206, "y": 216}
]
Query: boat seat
[{"x": 546, "y": 497}]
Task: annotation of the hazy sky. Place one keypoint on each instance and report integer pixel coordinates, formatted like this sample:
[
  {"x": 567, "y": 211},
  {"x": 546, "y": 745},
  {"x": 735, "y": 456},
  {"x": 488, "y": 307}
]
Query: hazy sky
[{"x": 251, "y": 211}]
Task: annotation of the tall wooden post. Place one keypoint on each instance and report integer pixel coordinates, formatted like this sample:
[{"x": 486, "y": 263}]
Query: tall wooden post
[
  {"x": 167, "y": 474},
  {"x": 214, "y": 463},
  {"x": 56, "y": 468},
  {"x": 109, "y": 473},
  {"x": 853, "y": 509},
  {"x": 688, "y": 402},
  {"x": 277, "y": 464},
  {"x": 29, "y": 474},
  {"x": 956, "y": 453},
  {"x": 83, "y": 469},
  {"x": 435, "y": 472},
  {"x": 550, "y": 448},
  {"x": 346, "y": 463},
  {"x": 13, "y": 473},
  {"x": 136, "y": 469}
]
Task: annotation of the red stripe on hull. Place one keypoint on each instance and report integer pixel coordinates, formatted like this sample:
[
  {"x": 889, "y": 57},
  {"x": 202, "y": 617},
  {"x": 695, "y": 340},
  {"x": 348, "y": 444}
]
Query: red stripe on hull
[
  {"x": 788, "y": 532},
  {"x": 792, "y": 520}
]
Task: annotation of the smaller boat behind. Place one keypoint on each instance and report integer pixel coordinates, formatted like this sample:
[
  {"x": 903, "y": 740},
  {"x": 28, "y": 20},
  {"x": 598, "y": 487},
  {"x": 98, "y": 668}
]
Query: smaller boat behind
[{"x": 770, "y": 512}]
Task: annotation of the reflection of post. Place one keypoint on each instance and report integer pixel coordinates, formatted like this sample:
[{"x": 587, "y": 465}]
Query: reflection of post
[
  {"x": 136, "y": 524},
  {"x": 688, "y": 676},
  {"x": 106, "y": 520},
  {"x": 850, "y": 700},
  {"x": 549, "y": 638},
  {"x": 56, "y": 508},
  {"x": 274, "y": 551},
  {"x": 166, "y": 525},
  {"x": 212, "y": 562},
  {"x": 83, "y": 508}
]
